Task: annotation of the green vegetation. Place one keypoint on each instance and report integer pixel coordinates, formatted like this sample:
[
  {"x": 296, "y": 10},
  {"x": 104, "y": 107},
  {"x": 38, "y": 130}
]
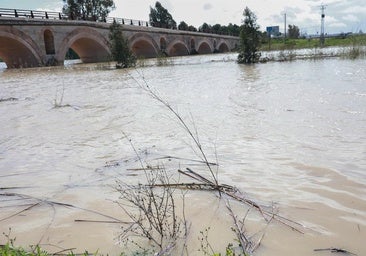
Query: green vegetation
[
  {"x": 303, "y": 43},
  {"x": 93, "y": 10},
  {"x": 71, "y": 55},
  {"x": 160, "y": 17},
  {"x": 231, "y": 29},
  {"x": 250, "y": 39},
  {"x": 163, "y": 60},
  {"x": 120, "y": 50},
  {"x": 10, "y": 250}
]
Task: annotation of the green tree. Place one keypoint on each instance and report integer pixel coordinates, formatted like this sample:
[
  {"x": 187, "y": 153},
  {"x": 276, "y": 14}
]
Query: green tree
[
  {"x": 120, "y": 50},
  {"x": 293, "y": 31},
  {"x": 183, "y": 26},
  {"x": 216, "y": 29},
  {"x": 233, "y": 29},
  {"x": 88, "y": 9},
  {"x": 205, "y": 28},
  {"x": 249, "y": 39},
  {"x": 160, "y": 17},
  {"x": 192, "y": 28}
]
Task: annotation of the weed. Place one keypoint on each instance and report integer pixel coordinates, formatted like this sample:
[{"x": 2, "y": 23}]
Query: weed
[{"x": 163, "y": 60}]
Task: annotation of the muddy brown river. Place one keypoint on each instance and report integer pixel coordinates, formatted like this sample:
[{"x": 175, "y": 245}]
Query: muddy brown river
[{"x": 290, "y": 135}]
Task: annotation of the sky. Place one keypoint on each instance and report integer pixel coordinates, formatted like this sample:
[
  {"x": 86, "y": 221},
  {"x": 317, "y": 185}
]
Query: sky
[{"x": 340, "y": 15}]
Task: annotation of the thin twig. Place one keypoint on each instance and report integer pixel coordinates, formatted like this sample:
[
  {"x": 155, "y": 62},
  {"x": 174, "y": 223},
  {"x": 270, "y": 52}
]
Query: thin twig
[
  {"x": 101, "y": 221},
  {"x": 41, "y": 201},
  {"x": 334, "y": 250},
  {"x": 195, "y": 139}
]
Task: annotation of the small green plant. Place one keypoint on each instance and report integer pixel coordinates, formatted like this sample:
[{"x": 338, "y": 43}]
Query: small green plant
[
  {"x": 207, "y": 250},
  {"x": 141, "y": 62},
  {"x": 9, "y": 249},
  {"x": 163, "y": 60},
  {"x": 286, "y": 55}
]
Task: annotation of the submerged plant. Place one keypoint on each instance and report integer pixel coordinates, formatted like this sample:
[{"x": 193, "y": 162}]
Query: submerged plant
[
  {"x": 355, "y": 50},
  {"x": 120, "y": 50},
  {"x": 249, "y": 39},
  {"x": 163, "y": 60}
]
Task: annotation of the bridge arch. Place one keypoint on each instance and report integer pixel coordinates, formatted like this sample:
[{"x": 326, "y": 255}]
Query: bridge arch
[
  {"x": 223, "y": 47},
  {"x": 177, "y": 48},
  {"x": 204, "y": 48},
  {"x": 89, "y": 44},
  {"x": 18, "y": 50},
  {"x": 143, "y": 45}
]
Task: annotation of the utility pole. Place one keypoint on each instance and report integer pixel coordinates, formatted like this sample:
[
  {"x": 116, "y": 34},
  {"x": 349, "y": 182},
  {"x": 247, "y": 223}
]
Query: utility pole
[
  {"x": 284, "y": 39},
  {"x": 322, "y": 7}
]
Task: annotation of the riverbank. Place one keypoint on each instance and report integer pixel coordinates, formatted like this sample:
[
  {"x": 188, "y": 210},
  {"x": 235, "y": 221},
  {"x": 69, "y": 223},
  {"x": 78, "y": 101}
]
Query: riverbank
[
  {"x": 278, "y": 44},
  {"x": 347, "y": 47},
  {"x": 346, "y": 52}
]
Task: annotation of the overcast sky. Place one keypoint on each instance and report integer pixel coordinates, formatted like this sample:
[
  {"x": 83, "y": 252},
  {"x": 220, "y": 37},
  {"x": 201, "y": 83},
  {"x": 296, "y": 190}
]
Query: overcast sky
[{"x": 341, "y": 15}]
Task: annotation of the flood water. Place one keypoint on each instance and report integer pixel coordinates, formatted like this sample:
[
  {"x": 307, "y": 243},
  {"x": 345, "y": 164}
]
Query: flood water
[{"x": 288, "y": 134}]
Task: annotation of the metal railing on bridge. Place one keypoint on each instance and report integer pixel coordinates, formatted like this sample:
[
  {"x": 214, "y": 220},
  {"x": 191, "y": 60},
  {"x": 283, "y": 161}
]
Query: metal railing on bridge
[
  {"x": 36, "y": 14},
  {"x": 128, "y": 21},
  {"x": 32, "y": 14}
]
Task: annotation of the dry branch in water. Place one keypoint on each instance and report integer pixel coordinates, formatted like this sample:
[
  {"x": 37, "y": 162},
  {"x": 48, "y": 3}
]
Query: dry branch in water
[
  {"x": 154, "y": 217},
  {"x": 334, "y": 250},
  {"x": 39, "y": 202},
  {"x": 153, "y": 213},
  {"x": 193, "y": 135}
]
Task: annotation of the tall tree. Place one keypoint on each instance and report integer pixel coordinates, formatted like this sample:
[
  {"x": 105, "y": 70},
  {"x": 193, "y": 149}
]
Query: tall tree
[
  {"x": 293, "y": 31},
  {"x": 88, "y": 9},
  {"x": 120, "y": 50},
  {"x": 160, "y": 17},
  {"x": 249, "y": 38}
]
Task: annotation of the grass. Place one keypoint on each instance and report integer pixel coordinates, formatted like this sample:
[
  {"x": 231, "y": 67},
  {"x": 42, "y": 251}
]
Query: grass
[
  {"x": 10, "y": 250},
  {"x": 291, "y": 44},
  {"x": 348, "y": 47}
]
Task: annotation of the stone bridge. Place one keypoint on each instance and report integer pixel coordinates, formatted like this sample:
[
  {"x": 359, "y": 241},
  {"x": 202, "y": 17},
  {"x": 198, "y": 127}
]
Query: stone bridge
[{"x": 26, "y": 42}]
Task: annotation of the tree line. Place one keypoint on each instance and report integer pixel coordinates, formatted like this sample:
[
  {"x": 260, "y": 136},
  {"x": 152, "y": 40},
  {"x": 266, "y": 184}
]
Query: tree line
[
  {"x": 98, "y": 10},
  {"x": 160, "y": 17},
  {"x": 250, "y": 35}
]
